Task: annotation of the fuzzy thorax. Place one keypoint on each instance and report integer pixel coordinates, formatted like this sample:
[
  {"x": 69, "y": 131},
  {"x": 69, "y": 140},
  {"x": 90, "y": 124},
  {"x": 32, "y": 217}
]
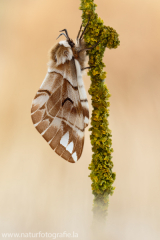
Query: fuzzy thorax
[{"x": 63, "y": 52}]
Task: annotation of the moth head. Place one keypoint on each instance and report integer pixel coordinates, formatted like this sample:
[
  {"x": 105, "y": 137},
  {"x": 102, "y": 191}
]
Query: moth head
[{"x": 71, "y": 43}]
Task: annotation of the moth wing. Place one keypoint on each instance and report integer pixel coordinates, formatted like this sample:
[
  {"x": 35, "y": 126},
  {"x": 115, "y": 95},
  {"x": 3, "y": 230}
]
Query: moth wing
[{"x": 57, "y": 114}]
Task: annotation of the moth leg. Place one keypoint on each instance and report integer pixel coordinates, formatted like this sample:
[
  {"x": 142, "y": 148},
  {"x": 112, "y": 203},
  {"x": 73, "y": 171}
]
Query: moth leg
[
  {"x": 89, "y": 47},
  {"x": 83, "y": 30},
  {"x": 87, "y": 68},
  {"x": 79, "y": 32}
]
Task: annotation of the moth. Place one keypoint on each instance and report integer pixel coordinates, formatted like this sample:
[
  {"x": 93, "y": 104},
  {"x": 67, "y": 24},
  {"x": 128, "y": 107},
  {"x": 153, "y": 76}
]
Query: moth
[{"x": 60, "y": 110}]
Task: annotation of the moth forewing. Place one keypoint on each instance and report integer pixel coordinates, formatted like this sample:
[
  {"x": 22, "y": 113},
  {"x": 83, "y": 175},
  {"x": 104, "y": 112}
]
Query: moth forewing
[{"x": 60, "y": 109}]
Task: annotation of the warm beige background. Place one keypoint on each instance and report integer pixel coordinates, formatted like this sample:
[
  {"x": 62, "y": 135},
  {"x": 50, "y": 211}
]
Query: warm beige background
[{"x": 38, "y": 190}]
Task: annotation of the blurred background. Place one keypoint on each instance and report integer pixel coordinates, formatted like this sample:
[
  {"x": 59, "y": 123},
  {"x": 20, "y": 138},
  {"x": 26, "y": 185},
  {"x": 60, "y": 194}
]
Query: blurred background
[{"x": 39, "y": 191}]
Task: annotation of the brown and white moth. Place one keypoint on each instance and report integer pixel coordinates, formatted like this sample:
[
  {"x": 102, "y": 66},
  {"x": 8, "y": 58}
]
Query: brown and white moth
[{"x": 60, "y": 110}]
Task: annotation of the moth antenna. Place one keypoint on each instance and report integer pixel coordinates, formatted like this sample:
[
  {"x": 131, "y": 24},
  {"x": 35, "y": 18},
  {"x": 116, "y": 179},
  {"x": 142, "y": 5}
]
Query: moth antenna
[
  {"x": 79, "y": 32},
  {"x": 90, "y": 47},
  {"x": 84, "y": 29},
  {"x": 62, "y": 34},
  {"x": 65, "y": 30}
]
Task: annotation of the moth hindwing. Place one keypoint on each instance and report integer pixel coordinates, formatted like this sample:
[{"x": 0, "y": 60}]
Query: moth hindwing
[{"x": 60, "y": 110}]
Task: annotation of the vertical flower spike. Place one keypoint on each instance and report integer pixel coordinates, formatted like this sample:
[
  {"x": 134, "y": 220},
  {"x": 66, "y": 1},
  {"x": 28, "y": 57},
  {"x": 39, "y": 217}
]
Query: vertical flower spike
[{"x": 101, "y": 166}]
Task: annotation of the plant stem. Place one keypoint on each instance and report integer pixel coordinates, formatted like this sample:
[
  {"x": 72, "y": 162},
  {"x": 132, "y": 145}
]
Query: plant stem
[{"x": 101, "y": 166}]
